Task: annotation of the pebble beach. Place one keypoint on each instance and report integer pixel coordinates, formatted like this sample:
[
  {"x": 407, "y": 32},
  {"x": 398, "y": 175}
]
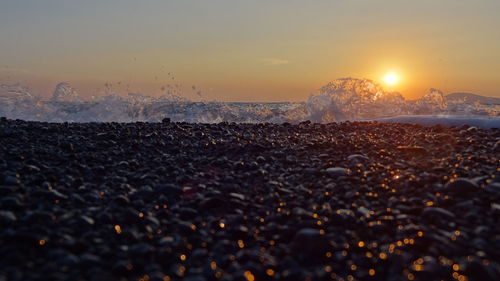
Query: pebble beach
[{"x": 228, "y": 201}]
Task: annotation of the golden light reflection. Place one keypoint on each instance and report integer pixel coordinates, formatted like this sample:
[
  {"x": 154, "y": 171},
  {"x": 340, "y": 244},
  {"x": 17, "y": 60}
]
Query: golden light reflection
[
  {"x": 213, "y": 265},
  {"x": 241, "y": 244},
  {"x": 249, "y": 276},
  {"x": 270, "y": 272}
]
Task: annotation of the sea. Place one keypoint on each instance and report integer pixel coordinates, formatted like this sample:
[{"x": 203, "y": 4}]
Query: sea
[{"x": 346, "y": 99}]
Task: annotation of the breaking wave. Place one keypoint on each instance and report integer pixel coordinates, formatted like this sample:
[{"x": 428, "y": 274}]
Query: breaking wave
[{"x": 340, "y": 100}]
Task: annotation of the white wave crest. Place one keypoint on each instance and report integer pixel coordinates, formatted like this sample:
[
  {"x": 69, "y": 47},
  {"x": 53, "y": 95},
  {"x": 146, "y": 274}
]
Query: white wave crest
[{"x": 342, "y": 99}]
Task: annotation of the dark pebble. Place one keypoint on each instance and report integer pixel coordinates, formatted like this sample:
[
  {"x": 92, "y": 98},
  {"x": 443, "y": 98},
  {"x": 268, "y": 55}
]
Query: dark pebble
[
  {"x": 232, "y": 201},
  {"x": 7, "y": 217},
  {"x": 309, "y": 241},
  {"x": 461, "y": 186}
]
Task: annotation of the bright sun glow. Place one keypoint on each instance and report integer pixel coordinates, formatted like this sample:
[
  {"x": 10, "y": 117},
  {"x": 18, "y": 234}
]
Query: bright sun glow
[{"x": 391, "y": 79}]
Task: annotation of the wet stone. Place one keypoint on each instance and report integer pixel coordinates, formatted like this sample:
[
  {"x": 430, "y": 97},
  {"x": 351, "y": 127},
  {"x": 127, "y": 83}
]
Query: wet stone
[
  {"x": 121, "y": 200},
  {"x": 90, "y": 260},
  {"x": 336, "y": 171},
  {"x": 433, "y": 213},
  {"x": 6, "y": 190},
  {"x": 461, "y": 186},
  {"x": 140, "y": 249},
  {"x": 357, "y": 158},
  {"x": 10, "y": 180},
  {"x": 168, "y": 189},
  {"x": 309, "y": 241},
  {"x": 496, "y": 147},
  {"x": 7, "y": 217},
  {"x": 11, "y": 203},
  {"x": 233, "y": 201},
  {"x": 87, "y": 220},
  {"x": 493, "y": 188},
  {"x": 54, "y": 194},
  {"x": 68, "y": 259}
]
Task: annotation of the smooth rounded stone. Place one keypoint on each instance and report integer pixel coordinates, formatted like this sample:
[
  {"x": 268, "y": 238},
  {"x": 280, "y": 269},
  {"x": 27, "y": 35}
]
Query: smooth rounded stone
[
  {"x": 237, "y": 196},
  {"x": 121, "y": 200},
  {"x": 123, "y": 164},
  {"x": 32, "y": 168},
  {"x": 260, "y": 159},
  {"x": 311, "y": 171},
  {"x": 212, "y": 203},
  {"x": 461, "y": 186},
  {"x": 10, "y": 180},
  {"x": 140, "y": 249},
  {"x": 67, "y": 259},
  {"x": 167, "y": 241},
  {"x": 158, "y": 276},
  {"x": 480, "y": 271},
  {"x": 199, "y": 254},
  {"x": 493, "y": 187},
  {"x": 357, "y": 158},
  {"x": 168, "y": 190},
  {"x": 496, "y": 147},
  {"x": 196, "y": 277},
  {"x": 336, "y": 171},
  {"x": 49, "y": 194},
  {"x": 150, "y": 220},
  {"x": 123, "y": 267},
  {"x": 76, "y": 198},
  {"x": 433, "y": 213},
  {"x": 54, "y": 194},
  {"x": 6, "y": 190},
  {"x": 87, "y": 220},
  {"x": 11, "y": 203},
  {"x": 90, "y": 260},
  {"x": 7, "y": 217},
  {"x": 144, "y": 192},
  {"x": 495, "y": 207},
  {"x": 481, "y": 230},
  {"x": 187, "y": 213},
  {"x": 364, "y": 211},
  {"x": 309, "y": 241},
  {"x": 185, "y": 227},
  {"x": 37, "y": 216}
]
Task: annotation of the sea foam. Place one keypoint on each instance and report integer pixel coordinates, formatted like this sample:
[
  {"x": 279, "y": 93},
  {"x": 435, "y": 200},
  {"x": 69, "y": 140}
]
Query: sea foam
[{"x": 341, "y": 100}]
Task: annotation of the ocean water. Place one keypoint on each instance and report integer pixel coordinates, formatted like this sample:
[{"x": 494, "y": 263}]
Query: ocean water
[{"x": 341, "y": 100}]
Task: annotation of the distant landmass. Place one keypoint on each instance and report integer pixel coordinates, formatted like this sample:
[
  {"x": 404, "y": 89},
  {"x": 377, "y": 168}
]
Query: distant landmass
[{"x": 472, "y": 98}]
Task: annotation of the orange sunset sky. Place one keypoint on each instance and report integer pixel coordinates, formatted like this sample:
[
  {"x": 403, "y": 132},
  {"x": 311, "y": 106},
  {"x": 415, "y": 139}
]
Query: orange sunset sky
[{"x": 235, "y": 50}]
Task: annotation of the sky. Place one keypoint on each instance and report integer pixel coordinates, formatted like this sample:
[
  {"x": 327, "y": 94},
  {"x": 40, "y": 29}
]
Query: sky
[{"x": 260, "y": 50}]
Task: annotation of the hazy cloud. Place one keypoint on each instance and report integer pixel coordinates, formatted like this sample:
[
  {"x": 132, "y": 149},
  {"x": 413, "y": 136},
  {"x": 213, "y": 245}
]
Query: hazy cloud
[
  {"x": 274, "y": 61},
  {"x": 6, "y": 69}
]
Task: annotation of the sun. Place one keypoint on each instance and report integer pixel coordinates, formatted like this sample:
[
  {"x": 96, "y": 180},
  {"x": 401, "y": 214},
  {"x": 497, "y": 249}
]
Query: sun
[{"x": 391, "y": 78}]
